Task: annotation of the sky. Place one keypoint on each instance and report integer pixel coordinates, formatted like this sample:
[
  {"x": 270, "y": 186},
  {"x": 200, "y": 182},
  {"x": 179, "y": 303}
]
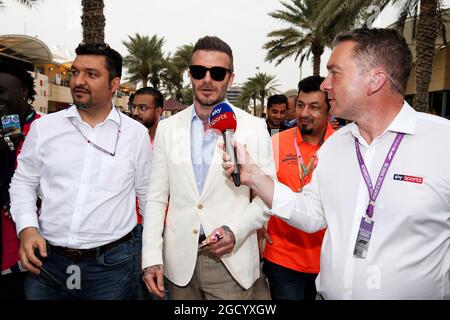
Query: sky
[{"x": 243, "y": 24}]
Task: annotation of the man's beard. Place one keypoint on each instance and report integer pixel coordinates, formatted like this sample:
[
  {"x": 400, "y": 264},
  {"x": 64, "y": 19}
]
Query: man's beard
[
  {"x": 306, "y": 131},
  {"x": 273, "y": 124},
  {"x": 210, "y": 103},
  {"x": 148, "y": 124},
  {"x": 79, "y": 104},
  {"x": 83, "y": 106}
]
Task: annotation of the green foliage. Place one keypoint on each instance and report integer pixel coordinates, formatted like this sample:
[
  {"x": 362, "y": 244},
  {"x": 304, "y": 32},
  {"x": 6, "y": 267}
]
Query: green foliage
[
  {"x": 145, "y": 60},
  {"x": 258, "y": 87}
]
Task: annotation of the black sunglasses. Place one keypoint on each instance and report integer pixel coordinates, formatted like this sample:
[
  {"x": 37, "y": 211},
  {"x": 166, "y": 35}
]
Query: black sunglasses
[{"x": 217, "y": 73}]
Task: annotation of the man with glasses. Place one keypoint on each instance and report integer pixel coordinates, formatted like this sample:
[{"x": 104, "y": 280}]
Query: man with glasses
[
  {"x": 187, "y": 167},
  {"x": 87, "y": 163},
  {"x": 147, "y": 107}
]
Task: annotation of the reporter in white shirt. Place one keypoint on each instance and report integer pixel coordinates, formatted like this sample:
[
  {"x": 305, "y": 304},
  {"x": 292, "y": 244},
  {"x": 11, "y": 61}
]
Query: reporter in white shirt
[
  {"x": 399, "y": 247},
  {"x": 87, "y": 163}
]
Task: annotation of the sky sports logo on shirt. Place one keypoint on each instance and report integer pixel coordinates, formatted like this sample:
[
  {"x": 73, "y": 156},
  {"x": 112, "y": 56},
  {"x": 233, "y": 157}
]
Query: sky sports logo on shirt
[{"x": 402, "y": 177}]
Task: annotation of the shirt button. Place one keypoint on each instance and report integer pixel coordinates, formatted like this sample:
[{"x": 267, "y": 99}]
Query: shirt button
[
  {"x": 200, "y": 206},
  {"x": 195, "y": 231}
]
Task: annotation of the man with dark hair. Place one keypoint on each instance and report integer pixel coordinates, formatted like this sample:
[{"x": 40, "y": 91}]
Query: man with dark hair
[
  {"x": 16, "y": 94},
  {"x": 290, "y": 121},
  {"x": 382, "y": 184},
  {"x": 88, "y": 162},
  {"x": 276, "y": 112},
  {"x": 202, "y": 201},
  {"x": 291, "y": 256},
  {"x": 147, "y": 107},
  {"x": 113, "y": 59}
]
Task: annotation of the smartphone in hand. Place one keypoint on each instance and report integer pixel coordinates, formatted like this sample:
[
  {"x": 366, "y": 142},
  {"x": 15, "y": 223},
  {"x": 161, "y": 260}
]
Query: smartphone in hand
[
  {"x": 44, "y": 272},
  {"x": 211, "y": 240}
]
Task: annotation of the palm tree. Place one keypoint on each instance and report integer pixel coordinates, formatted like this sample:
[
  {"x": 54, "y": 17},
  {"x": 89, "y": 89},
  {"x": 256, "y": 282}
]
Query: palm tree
[
  {"x": 145, "y": 61},
  {"x": 182, "y": 57},
  {"x": 174, "y": 69},
  {"x": 248, "y": 92},
  {"x": 266, "y": 86},
  {"x": 93, "y": 20},
  {"x": 260, "y": 86},
  {"x": 187, "y": 95},
  {"x": 27, "y": 3},
  {"x": 425, "y": 32},
  {"x": 172, "y": 78},
  {"x": 304, "y": 36},
  {"x": 425, "y": 47}
]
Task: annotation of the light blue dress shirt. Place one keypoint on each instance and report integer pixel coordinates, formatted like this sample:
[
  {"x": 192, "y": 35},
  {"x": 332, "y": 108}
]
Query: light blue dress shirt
[{"x": 202, "y": 149}]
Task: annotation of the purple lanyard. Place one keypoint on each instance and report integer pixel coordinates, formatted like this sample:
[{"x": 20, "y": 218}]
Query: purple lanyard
[{"x": 373, "y": 193}]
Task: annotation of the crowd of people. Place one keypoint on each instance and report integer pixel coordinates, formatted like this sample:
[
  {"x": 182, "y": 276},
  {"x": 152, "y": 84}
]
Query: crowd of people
[{"x": 99, "y": 205}]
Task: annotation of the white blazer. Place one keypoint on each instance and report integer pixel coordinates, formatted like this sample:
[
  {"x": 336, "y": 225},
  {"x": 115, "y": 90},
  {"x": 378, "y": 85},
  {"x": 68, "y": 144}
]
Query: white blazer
[{"x": 175, "y": 244}]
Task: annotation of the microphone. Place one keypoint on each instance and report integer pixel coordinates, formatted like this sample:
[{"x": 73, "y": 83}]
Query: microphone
[{"x": 223, "y": 119}]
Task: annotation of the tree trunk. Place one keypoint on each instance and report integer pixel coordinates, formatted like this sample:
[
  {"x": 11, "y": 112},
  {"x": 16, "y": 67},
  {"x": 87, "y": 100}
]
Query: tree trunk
[
  {"x": 316, "y": 65},
  {"x": 262, "y": 105},
  {"x": 178, "y": 94},
  {"x": 425, "y": 46},
  {"x": 93, "y": 21},
  {"x": 254, "y": 107},
  {"x": 144, "y": 81},
  {"x": 154, "y": 82},
  {"x": 317, "y": 53}
]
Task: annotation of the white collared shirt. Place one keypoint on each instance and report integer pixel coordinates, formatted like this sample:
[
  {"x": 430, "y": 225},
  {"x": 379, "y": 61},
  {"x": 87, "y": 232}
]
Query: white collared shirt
[
  {"x": 408, "y": 256},
  {"x": 88, "y": 197}
]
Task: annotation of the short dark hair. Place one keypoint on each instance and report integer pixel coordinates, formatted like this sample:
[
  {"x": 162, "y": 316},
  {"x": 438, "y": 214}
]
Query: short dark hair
[
  {"x": 276, "y": 99},
  {"x": 113, "y": 58},
  {"x": 155, "y": 93},
  {"x": 381, "y": 47},
  {"x": 23, "y": 75},
  {"x": 212, "y": 43},
  {"x": 312, "y": 84}
]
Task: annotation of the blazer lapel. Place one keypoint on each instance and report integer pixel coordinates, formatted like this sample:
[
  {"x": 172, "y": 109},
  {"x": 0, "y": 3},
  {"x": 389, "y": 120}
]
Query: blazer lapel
[{"x": 185, "y": 144}]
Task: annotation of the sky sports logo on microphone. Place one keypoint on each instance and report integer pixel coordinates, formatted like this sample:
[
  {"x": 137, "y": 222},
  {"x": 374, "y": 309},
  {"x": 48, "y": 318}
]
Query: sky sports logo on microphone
[
  {"x": 402, "y": 177},
  {"x": 215, "y": 112},
  {"x": 222, "y": 118}
]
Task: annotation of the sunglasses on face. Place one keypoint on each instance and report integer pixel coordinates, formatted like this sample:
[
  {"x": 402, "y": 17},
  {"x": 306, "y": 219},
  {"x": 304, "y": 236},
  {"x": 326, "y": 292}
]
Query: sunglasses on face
[{"x": 217, "y": 73}]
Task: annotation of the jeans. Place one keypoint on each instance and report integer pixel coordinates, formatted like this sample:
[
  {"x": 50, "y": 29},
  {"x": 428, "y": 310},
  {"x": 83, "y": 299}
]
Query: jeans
[
  {"x": 288, "y": 284},
  {"x": 142, "y": 291},
  {"x": 110, "y": 275}
]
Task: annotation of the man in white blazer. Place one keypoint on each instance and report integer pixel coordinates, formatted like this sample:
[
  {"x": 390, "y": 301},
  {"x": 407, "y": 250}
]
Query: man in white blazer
[{"x": 188, "y": 178}]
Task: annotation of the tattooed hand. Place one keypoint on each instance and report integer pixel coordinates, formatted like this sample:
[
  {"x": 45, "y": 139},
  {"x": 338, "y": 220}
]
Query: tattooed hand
[
  {"x": 154, "y": 279},
  {"x": 225, "y": 244}
]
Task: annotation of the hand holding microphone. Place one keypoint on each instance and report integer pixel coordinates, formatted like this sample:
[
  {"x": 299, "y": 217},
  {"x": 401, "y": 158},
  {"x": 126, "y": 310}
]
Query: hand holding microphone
[
  {"x": 223, "y": 119},
  {"x": 238, "y": 164}
]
